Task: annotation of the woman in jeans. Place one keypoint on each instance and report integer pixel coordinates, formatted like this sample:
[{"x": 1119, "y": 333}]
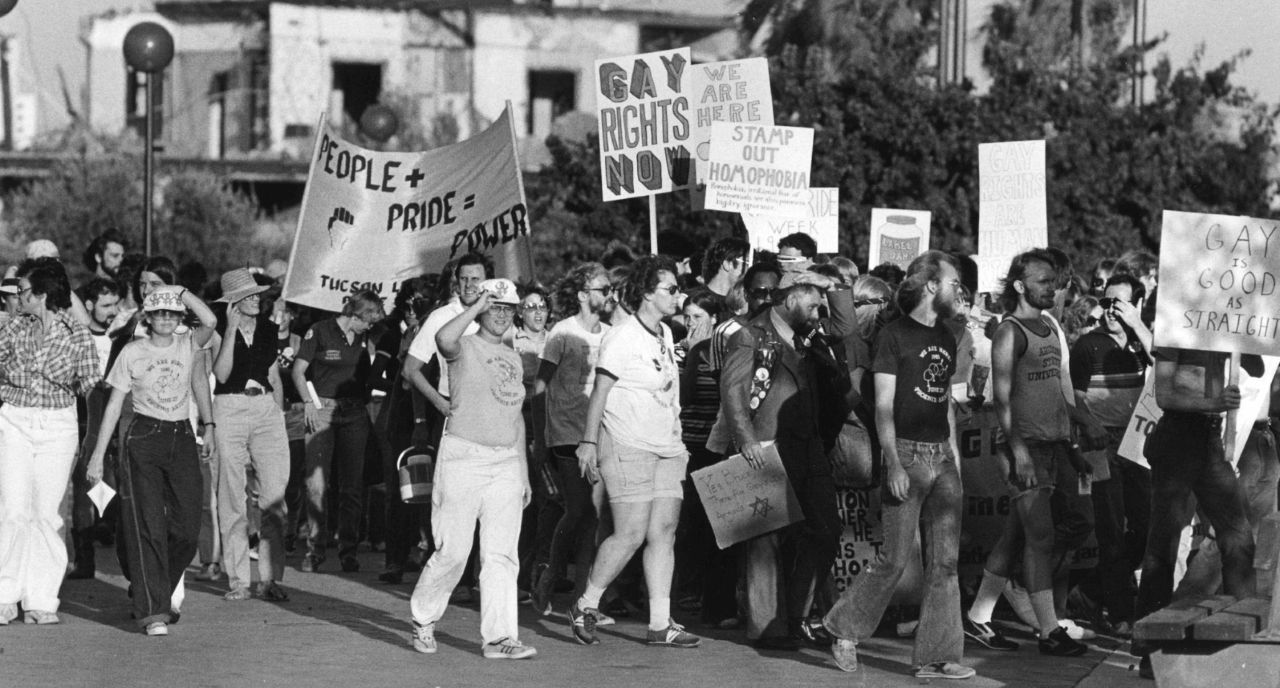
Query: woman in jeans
[
  {"x": 331, "y": 372},
  {"x": 47, "y": 359},
  {"x": 159, "y": 471},
  {"x": 247, "y": 403}
]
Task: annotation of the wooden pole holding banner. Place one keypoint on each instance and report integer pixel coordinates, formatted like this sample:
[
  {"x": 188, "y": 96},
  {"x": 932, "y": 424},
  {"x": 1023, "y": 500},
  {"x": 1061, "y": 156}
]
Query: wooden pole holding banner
[
  {"x": 306, "y": 193},
  {"x": 515, "y": 153},
  {"x": 1229, "y": 437},
  {"x": 653, "y": 224}
]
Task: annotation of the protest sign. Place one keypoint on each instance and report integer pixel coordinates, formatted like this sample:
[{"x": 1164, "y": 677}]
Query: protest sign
[
  {"x": 763, "y": 170},
  {"x": 897, "y": 236},
  {"x": 371, "y": 220},
  {"x": 1145, "y": 415},
  {"x": 1012, "y": 207},
  {"x": 743, "y": 502},
  {"x": 1218, "y": 291},
  {"x": 820, "y": 220},
  {"x": 642, "y": 102},
  {"x": 729, "y": 91}
]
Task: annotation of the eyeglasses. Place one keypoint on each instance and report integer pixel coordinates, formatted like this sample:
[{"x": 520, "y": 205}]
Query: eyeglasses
[
  {"x": 22, "y": 291},
  {"x": 671, "y": 289},
  {"x": 502, "y": 307},
  {"x": 761, "y": 293},
  {"x": 870, "y": 302},
  {"x": 604, "y": 291},
  {"x": 1091, "y": 321},
  {"x": 534, "y": 307},
  {"x": 1098, "y": 283},
  {"x": 1110, "y": 302}
]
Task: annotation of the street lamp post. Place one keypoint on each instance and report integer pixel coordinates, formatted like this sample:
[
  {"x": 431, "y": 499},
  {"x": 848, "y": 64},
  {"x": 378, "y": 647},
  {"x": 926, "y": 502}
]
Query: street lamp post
[{"x": 148, "y": 48}]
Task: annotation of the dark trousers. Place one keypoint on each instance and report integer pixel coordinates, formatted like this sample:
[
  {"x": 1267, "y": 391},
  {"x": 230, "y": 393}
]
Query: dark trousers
[
  {"x": 160, "y": 488},
  {"x": 337, "y": 448},
  {"x": 702, "y": 568},
  {"x": 1188, "y": 467}
]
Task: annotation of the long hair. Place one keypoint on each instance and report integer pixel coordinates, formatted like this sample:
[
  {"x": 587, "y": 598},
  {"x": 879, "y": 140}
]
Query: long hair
[
  {"x": 576, "y": 280},
  {"x": 1018, "y": 271},
  {"x": 924, "y": 269},
  {"x": 644, "y": 279}
]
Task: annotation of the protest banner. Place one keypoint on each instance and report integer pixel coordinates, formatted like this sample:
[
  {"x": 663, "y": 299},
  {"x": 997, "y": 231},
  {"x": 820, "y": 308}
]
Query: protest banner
[
  {"x": 644, "y": 110},
  {"x": 728, "y": 91},
  {"x": 743, "y": 502},
  {"x": 820, "y": 220},
  {"x": 897, "y": 236},
  {"x": 1012, "y": 207},
  {"x": 371, "y": 219},
  {"x": 762, "y": 170},
  {"x": 1218, "y": 291},
  {"x": 862, "y": 544}
]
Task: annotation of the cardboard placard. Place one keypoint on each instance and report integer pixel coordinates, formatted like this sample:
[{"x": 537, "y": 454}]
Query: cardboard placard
[
  {"x": 1219, "y": 292},
  {"x": 897, "y": 236},
  {"x": 734, "y": 91},
  {"x": 1012, "y": 207},
  {"x": 743, "y": 502},
  {"x": 762, "y": 170},
  {"x": 820, "y": 220},
  {"x": 644, "y": 111}
]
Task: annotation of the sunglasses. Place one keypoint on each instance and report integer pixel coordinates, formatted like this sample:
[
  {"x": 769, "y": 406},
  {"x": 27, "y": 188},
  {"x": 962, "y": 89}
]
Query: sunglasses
[
  {"x": 534, "y": 307},
  {"x": 1109, "y": 302},
  {"x": 604, "y": 291},
  {"x": 870, "y": 302},
  {"x": 761, "y": 293},
  {"x": 1091, "y": 322},
  {"x": 671, "y": 289}
]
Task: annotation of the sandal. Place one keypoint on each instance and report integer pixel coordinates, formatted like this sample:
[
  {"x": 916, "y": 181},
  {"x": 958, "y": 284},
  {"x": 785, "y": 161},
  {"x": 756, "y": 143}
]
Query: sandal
[
  {"x": 237, "y": 595},
  {"x": 272, "y": 592}
]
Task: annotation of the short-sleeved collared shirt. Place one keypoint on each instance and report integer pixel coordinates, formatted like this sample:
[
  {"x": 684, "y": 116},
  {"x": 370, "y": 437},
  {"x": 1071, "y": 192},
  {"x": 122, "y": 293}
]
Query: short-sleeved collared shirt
[
  {"x": 338, "y": 368},
  {"x": 46, "y": 369}
]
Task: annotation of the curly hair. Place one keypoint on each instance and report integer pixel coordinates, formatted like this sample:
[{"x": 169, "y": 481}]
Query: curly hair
[
  {"x": 48, "y": 278},
  {"x": 565, "y": 296},
  {"x": 644, "y": 279}
]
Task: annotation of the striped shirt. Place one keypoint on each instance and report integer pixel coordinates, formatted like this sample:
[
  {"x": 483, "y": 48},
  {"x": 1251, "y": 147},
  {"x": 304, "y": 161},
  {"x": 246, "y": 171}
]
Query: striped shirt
[
  {"x": 46, "y": 369},
  {"x": 1110, "y": 375}
]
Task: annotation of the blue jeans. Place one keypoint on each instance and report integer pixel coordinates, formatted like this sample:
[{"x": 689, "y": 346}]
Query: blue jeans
[
  {"x": 933, "y": 507},
  {"x": 1188, "y": 466}
]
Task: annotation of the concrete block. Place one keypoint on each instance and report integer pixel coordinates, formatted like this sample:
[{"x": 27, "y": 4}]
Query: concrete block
[
  {"x": 1168, "y": 623},
  {"x": 1267, "y": 547},
  {"x": 1224, "y": 626},
  {"x": 1257, "y": 607},
  {"x": 1209, "y": 603},
  {"x": 1234, "y": 665}
]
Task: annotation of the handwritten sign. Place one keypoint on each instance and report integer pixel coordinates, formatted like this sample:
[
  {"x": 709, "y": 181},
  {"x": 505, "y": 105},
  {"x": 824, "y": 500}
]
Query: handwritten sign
[
  {"x": 735, "y": 91},
  {"x": 1146, "y": 413},
  {"x": 1012, "y": 206},
  {"x": 763, "y": 170},
  {"x": 642, "y": 102},
  {"x": 1220, "y": 286},
  {"x": 897, "y": 236},
  {"x": 820, "y": 220},
  {"x": 371, "y": 219},
  {"x": 743, "y": 502}
]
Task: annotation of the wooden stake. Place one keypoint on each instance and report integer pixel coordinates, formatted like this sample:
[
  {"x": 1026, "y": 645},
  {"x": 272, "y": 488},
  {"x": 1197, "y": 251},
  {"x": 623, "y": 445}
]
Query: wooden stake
[{"x": 653, "y": 224}]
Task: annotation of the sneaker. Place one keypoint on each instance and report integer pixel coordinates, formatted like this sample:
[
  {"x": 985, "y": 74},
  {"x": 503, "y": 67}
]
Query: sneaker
[
  {"x": 36, "y": 616},
  {"x": 1060, "y": 644},
  {"x": 311, "y": 563},
  {"x": 1076, "y": 631},
  {"x": 602, "y": 619},
  {"x": 157, "y": 628},
  {"x": 8, "y": 612},
  {"x": 542, "y": 588},
  {"x": 845, "y": 652},
  {"x": 584, "y": 624},
  {"x": 673, "y": 635},
  {"x": 209, "y": 572},
  {"x": 508, "y": 649},
  {"x": 945, "y": 670},
  {"x": 270, "y": 591},
  {"x": 350, "y": 564},
  {"x": 424, "y": 638},
  {"x": 813, "y": 632},
  {"x": 237, "y": 594},
  {"x": 985, "y": 635}
]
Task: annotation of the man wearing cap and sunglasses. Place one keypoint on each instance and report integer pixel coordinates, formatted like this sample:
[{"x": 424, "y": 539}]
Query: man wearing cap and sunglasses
[{"x": 247, "y": 410}]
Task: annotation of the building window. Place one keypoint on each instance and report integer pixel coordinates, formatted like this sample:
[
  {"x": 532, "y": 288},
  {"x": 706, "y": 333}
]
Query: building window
[
  {"x": 356, "y": 86},
  {"x": 551, "y": 94}
]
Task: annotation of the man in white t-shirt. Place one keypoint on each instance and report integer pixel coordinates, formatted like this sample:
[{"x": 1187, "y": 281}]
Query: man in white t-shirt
[
  {"x": 470, "y": 271},
  {"x": 567, "y": 374}
]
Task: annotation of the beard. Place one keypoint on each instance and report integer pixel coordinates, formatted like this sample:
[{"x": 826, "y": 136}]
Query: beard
[{"x": 944, "y": 308}]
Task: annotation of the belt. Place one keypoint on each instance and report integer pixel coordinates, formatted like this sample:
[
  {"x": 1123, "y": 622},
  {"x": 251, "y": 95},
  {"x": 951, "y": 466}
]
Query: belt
[{"x": 249, "y": 392}]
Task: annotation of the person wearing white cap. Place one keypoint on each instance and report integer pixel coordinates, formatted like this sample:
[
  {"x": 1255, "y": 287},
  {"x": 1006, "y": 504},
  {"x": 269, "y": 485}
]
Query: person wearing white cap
[
  {"x": 47, "y": 359},
  {"x": 247, "y": 408},
  {"x": 481, "y": 475},
  {"x": 159, "y": 472}
]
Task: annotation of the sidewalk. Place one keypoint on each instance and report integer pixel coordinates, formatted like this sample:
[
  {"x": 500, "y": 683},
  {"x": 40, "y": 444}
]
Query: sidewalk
[{"x": 350, "y": 629}]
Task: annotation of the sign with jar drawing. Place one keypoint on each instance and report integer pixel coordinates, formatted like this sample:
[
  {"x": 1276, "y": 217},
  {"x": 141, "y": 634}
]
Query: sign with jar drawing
[{"x": 897, "y": 236}]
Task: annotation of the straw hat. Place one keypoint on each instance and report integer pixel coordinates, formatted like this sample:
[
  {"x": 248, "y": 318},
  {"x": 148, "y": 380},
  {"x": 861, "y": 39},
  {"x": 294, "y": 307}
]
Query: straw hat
[{"x": 239, "y": 284}]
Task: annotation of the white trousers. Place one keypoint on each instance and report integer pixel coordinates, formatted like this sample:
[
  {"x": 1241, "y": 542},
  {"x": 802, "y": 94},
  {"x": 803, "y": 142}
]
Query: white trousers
[
  {"x": 474, "y": 482},
  {"x": 37, "y": 453}
]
